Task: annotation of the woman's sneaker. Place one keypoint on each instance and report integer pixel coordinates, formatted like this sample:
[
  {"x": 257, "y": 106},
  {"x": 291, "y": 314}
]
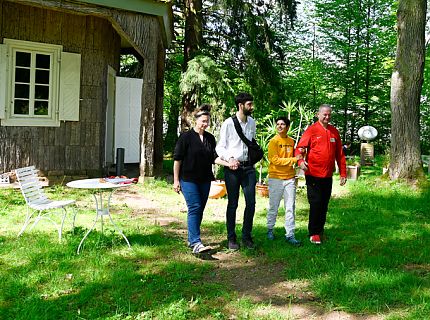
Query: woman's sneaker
[
  {"x": 200, "y": 248},
  {"x": 270, "y": 234}
]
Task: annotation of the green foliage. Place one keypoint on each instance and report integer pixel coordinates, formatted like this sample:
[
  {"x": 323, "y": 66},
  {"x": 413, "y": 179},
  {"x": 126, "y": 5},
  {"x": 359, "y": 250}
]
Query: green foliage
[
  {"x": 168, "y": 166},
  {"x": 339, "y": 52},
  {"x": 172, "y": 99},
  {"x": 204, "y": 80},
  {"x": 266, "y": 131},
  {"x": 130, "y": 67},
  {"x": 425, "y": 108},
  {"x": 246, "y": 37},
  {"x": 346, "y": 63}
]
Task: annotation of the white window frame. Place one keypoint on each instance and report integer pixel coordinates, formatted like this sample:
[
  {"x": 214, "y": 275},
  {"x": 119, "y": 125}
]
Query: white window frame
[{"x": 50, "y": 120}]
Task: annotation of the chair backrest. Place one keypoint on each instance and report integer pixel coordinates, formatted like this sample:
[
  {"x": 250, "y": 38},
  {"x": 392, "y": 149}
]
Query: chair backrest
[{"x": 31, "y": 187}]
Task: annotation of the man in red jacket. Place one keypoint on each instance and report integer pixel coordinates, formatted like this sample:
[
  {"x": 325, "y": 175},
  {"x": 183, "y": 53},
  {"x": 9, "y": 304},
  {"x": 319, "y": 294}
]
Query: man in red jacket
[{"x": 322, "y": 145}]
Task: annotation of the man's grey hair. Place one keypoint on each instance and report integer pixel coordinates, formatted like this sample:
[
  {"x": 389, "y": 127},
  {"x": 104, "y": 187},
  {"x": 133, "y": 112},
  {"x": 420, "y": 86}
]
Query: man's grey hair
[{"x": 325, "y": 105}]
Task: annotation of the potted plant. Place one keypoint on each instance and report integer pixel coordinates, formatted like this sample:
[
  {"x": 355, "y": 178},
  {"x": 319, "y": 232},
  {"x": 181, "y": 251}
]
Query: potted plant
[
  {"x": 218, "y": 189},
  {"x": 386, "y": 162},
  {"x": 353, "y": 168},
  {"x": 263, "y": 138}
]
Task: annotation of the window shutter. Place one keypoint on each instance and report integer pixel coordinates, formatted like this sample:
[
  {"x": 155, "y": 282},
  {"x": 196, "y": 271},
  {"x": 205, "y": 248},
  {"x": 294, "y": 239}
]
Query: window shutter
[
  {"x": 3, "y": 80},
  {"x": 70, "y": 85}
]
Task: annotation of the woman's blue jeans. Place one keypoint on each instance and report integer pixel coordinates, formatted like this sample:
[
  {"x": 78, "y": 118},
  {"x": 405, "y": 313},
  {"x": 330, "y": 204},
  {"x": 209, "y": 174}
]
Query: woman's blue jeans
[{"x": 196, "y": 195}]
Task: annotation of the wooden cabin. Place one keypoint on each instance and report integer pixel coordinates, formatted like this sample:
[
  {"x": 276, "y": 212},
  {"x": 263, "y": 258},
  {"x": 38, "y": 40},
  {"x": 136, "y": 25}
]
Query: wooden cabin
[{"x": 58, "y": 63}]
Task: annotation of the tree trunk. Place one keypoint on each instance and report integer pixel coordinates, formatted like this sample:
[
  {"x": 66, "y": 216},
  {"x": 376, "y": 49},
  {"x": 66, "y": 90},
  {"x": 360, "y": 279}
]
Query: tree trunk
[
  {"x": 314, "y": 89},
  {"x": 158, "y": 123},
  {"x": 406, "y": 85},
  {"x": 172, "y": 126},
  {"x": 152, "y": 104},
  {"x": 368, "y": 62},
  {"x": 193, "y": 39},
  {"x": 188, "y": 107},
  {"x": 347, "y": 83}
]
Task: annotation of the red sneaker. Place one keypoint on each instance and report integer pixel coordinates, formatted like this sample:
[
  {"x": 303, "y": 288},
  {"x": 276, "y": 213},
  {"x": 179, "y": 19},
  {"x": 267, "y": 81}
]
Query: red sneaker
[{"x": 315, "y": 239}]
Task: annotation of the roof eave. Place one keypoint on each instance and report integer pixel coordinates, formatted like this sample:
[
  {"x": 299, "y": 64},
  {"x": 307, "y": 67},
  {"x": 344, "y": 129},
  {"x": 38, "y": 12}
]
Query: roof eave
[{"x": 163, "y": 10}]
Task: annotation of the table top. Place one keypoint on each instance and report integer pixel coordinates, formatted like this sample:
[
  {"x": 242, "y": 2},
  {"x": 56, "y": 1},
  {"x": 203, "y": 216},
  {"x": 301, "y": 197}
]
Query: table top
[{"x": 98, "y": 183}]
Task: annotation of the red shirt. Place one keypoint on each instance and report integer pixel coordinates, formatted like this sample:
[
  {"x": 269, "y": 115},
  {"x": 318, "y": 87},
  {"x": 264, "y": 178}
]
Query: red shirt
[{"x": 323, "y": 148}]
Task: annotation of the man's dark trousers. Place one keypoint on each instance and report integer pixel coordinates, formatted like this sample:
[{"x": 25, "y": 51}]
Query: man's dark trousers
[
  {"x": 319, "y": 193},
  {"x": 234, "y": 179}
]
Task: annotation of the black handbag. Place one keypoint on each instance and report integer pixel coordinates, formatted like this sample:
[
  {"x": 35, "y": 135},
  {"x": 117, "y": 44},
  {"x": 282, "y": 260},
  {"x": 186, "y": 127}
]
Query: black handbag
[{"x": 255, "y": 153}]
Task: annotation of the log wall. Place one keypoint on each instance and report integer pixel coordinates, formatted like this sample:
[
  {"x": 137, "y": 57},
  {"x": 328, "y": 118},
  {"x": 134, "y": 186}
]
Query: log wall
[{"x": 74, "y": 148}]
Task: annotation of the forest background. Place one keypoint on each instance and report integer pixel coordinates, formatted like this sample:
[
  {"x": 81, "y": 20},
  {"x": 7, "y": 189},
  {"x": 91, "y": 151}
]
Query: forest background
[{"x": 285, "y": 53}]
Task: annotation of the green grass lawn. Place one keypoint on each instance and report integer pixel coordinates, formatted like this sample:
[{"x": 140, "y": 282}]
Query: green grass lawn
[{"x": 376, "y": 259}]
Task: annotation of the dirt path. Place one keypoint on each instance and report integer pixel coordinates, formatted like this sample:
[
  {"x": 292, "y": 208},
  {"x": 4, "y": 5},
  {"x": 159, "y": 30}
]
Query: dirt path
[{"x": 250, "y": 277}]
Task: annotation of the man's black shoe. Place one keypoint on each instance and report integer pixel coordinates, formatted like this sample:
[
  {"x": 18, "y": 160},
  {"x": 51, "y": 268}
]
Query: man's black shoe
[
  {"x": 248, "y": 243},
  {"x": 233, "y": 245}
]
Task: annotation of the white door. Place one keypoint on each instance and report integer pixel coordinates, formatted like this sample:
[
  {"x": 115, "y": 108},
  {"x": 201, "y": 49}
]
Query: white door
[{"x": 128, "y": 95}]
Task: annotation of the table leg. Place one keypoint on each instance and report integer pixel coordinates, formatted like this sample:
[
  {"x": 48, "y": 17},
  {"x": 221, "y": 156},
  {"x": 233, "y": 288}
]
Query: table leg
[
  {"x": 98, "y": 214},
  {"x": 88, "y": 232},
  {"x": 116, "y": 227},
  {"x": 101, "y": 211}
]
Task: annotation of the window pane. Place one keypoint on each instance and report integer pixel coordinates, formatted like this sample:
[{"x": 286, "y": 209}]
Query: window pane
[
  {"x": 22, "y": 75},
  {"x": 23, "y": 59},
  {"x": 42, "y": 76},
  {"x": 41, "y": 92},
  {"x": 41, "y": 108},
  {"x": 43, "y": 61},
  {"x": 20, "y": 107},
  {"x": 22, "y": 91}
]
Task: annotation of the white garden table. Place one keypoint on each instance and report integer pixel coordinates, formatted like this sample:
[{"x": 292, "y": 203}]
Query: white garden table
[{"x": 101, "y": 187}]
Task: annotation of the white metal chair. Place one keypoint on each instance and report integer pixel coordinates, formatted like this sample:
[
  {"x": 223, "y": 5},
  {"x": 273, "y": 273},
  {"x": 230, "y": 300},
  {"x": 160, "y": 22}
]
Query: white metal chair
[{"x": 37, "y": 201}]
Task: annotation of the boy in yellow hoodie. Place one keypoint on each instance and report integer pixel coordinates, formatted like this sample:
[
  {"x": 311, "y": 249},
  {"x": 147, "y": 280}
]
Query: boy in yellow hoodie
[{"x": 282, "y": 182}]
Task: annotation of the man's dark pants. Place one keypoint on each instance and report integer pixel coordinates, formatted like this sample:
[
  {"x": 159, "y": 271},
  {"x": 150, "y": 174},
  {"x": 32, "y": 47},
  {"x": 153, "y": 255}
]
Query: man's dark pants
[
  {"x": 234, "y": 179},
  {"x": 319, "y": 193}
]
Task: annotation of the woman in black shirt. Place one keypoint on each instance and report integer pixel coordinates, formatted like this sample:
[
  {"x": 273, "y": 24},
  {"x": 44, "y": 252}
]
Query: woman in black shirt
[{"x": 192, "y": 172}]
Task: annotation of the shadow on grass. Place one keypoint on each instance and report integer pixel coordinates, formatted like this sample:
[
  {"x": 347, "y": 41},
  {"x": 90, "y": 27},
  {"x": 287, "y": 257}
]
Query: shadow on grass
[
  {"x": 376, "y": 258},
  {"x": 52, "y": 282}
]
